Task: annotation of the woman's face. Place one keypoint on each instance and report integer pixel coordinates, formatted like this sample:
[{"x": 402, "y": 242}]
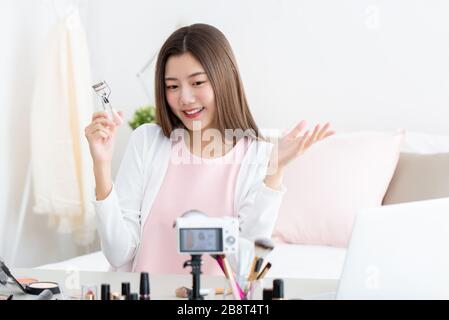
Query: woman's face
[{"x": 189, "y": 92}]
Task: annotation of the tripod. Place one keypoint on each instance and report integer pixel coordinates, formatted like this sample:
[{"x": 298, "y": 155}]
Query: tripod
[{"x": 195, "y": 262}]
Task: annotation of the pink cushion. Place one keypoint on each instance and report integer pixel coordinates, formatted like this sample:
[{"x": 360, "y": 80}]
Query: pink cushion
[{"x": 331, "y": 182}]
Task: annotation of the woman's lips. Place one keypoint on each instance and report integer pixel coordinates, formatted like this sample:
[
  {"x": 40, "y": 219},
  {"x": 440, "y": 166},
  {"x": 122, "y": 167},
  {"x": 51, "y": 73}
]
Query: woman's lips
[{"x": 194, "y": 115}]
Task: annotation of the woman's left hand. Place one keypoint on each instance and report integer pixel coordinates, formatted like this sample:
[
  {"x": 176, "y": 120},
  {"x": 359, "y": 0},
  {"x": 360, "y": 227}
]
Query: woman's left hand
[{"x": 293, "y": 144}]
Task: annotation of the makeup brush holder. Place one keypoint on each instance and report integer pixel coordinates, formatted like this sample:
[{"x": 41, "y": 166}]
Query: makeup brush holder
[
  {"x": 227, "y": 289},
  {"x": 255, "y": 291},
  {"x": 243, "y": 282}
]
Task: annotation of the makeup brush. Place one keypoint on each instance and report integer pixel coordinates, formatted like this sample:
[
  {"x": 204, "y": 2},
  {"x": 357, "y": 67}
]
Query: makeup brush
[
  {"x": 255, "y": 271},
  {"x": 262, "y": 247},
  {"x": 227, "y": 270},
  {"x": 264, "y": 271},
  {"x": 253, "y": 266},
  {"x": 236, "y": 291},
  {"x": 220, "y": 263}
]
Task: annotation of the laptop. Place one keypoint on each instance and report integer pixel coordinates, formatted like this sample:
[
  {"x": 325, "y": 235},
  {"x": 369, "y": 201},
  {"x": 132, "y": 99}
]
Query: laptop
[{"x": 398, "y": 251}]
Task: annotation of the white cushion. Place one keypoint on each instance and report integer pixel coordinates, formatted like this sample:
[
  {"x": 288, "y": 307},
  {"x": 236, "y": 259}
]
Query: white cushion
[{"x": 424, "y": 143}]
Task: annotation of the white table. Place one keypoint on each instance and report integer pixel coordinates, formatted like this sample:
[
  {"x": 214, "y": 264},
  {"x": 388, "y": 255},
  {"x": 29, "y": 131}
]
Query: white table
[{"x": 163, "y": 286}]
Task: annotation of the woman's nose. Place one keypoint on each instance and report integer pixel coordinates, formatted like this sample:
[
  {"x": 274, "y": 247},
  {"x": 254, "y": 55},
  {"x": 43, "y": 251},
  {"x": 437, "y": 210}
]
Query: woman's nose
[{"x": 187, "y": 97}]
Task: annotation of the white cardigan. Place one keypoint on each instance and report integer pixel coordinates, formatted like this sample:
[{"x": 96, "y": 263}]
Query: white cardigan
[{"x": 122, "y": 215}]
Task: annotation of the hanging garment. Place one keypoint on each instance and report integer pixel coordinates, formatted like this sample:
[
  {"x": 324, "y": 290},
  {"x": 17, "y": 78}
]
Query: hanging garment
[{"x": 62, "y": 106}]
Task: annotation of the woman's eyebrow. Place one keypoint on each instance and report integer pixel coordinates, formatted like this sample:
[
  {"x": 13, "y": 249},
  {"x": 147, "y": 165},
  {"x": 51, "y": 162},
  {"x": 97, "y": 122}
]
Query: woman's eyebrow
[{"x": 192, "y": 75}]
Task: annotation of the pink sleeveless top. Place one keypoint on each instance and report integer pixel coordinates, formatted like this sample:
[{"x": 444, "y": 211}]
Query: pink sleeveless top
[{"x": 190, "y": 183}]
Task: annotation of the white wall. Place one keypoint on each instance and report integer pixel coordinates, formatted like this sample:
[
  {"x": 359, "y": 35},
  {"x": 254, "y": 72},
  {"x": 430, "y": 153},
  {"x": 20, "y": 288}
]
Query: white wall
[
  {"x": 24, "y": 27},
  {"x": 17, "y": 62},
  {"x": 363, "y": 65}
]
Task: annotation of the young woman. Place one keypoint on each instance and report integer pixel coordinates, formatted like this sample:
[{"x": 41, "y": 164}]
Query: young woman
[{"x": 205, "y": 153}]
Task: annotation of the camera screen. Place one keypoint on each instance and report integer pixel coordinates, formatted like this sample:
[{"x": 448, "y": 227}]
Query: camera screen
[{"x": 201, "y": 240}]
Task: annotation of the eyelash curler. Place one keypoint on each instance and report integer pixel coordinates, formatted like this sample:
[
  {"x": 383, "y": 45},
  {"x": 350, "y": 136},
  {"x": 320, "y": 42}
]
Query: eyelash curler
[{"x": 103, "y": 91}]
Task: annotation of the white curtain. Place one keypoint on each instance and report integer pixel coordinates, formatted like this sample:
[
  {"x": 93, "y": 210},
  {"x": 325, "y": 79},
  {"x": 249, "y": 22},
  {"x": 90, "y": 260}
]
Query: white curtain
[{"x": 63, "y": 183}]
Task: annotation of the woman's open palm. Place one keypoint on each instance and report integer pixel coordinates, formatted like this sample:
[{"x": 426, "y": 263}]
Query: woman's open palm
[{"x": 294, "y": 144}]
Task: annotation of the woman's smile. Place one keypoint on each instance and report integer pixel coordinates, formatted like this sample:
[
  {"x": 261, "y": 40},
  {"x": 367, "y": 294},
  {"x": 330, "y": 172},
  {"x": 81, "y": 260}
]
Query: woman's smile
[{"x": 193, "y": 113}]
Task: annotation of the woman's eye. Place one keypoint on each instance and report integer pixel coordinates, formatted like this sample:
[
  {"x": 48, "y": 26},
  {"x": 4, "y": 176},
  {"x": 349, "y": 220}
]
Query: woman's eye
[
  {"x": 172, "y": 87},
  {"x": 198, "y": 83}
]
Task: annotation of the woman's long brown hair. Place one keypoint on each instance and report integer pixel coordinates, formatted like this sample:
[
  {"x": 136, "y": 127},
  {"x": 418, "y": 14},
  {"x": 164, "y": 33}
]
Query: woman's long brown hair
[{"x": 211, "y": 48}]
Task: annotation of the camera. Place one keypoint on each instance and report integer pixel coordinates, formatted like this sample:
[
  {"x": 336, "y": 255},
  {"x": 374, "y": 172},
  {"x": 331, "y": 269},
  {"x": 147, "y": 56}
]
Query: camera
[{"x": 198, "y": 234}]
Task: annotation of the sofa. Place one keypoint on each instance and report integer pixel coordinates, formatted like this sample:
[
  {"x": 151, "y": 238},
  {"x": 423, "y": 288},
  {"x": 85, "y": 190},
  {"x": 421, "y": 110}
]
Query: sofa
[{"x": 417, "y": 170}]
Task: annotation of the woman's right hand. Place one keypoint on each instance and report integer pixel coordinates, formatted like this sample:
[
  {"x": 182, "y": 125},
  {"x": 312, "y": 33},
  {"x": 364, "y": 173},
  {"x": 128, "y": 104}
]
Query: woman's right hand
[{"x": 100, "y": 134}]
